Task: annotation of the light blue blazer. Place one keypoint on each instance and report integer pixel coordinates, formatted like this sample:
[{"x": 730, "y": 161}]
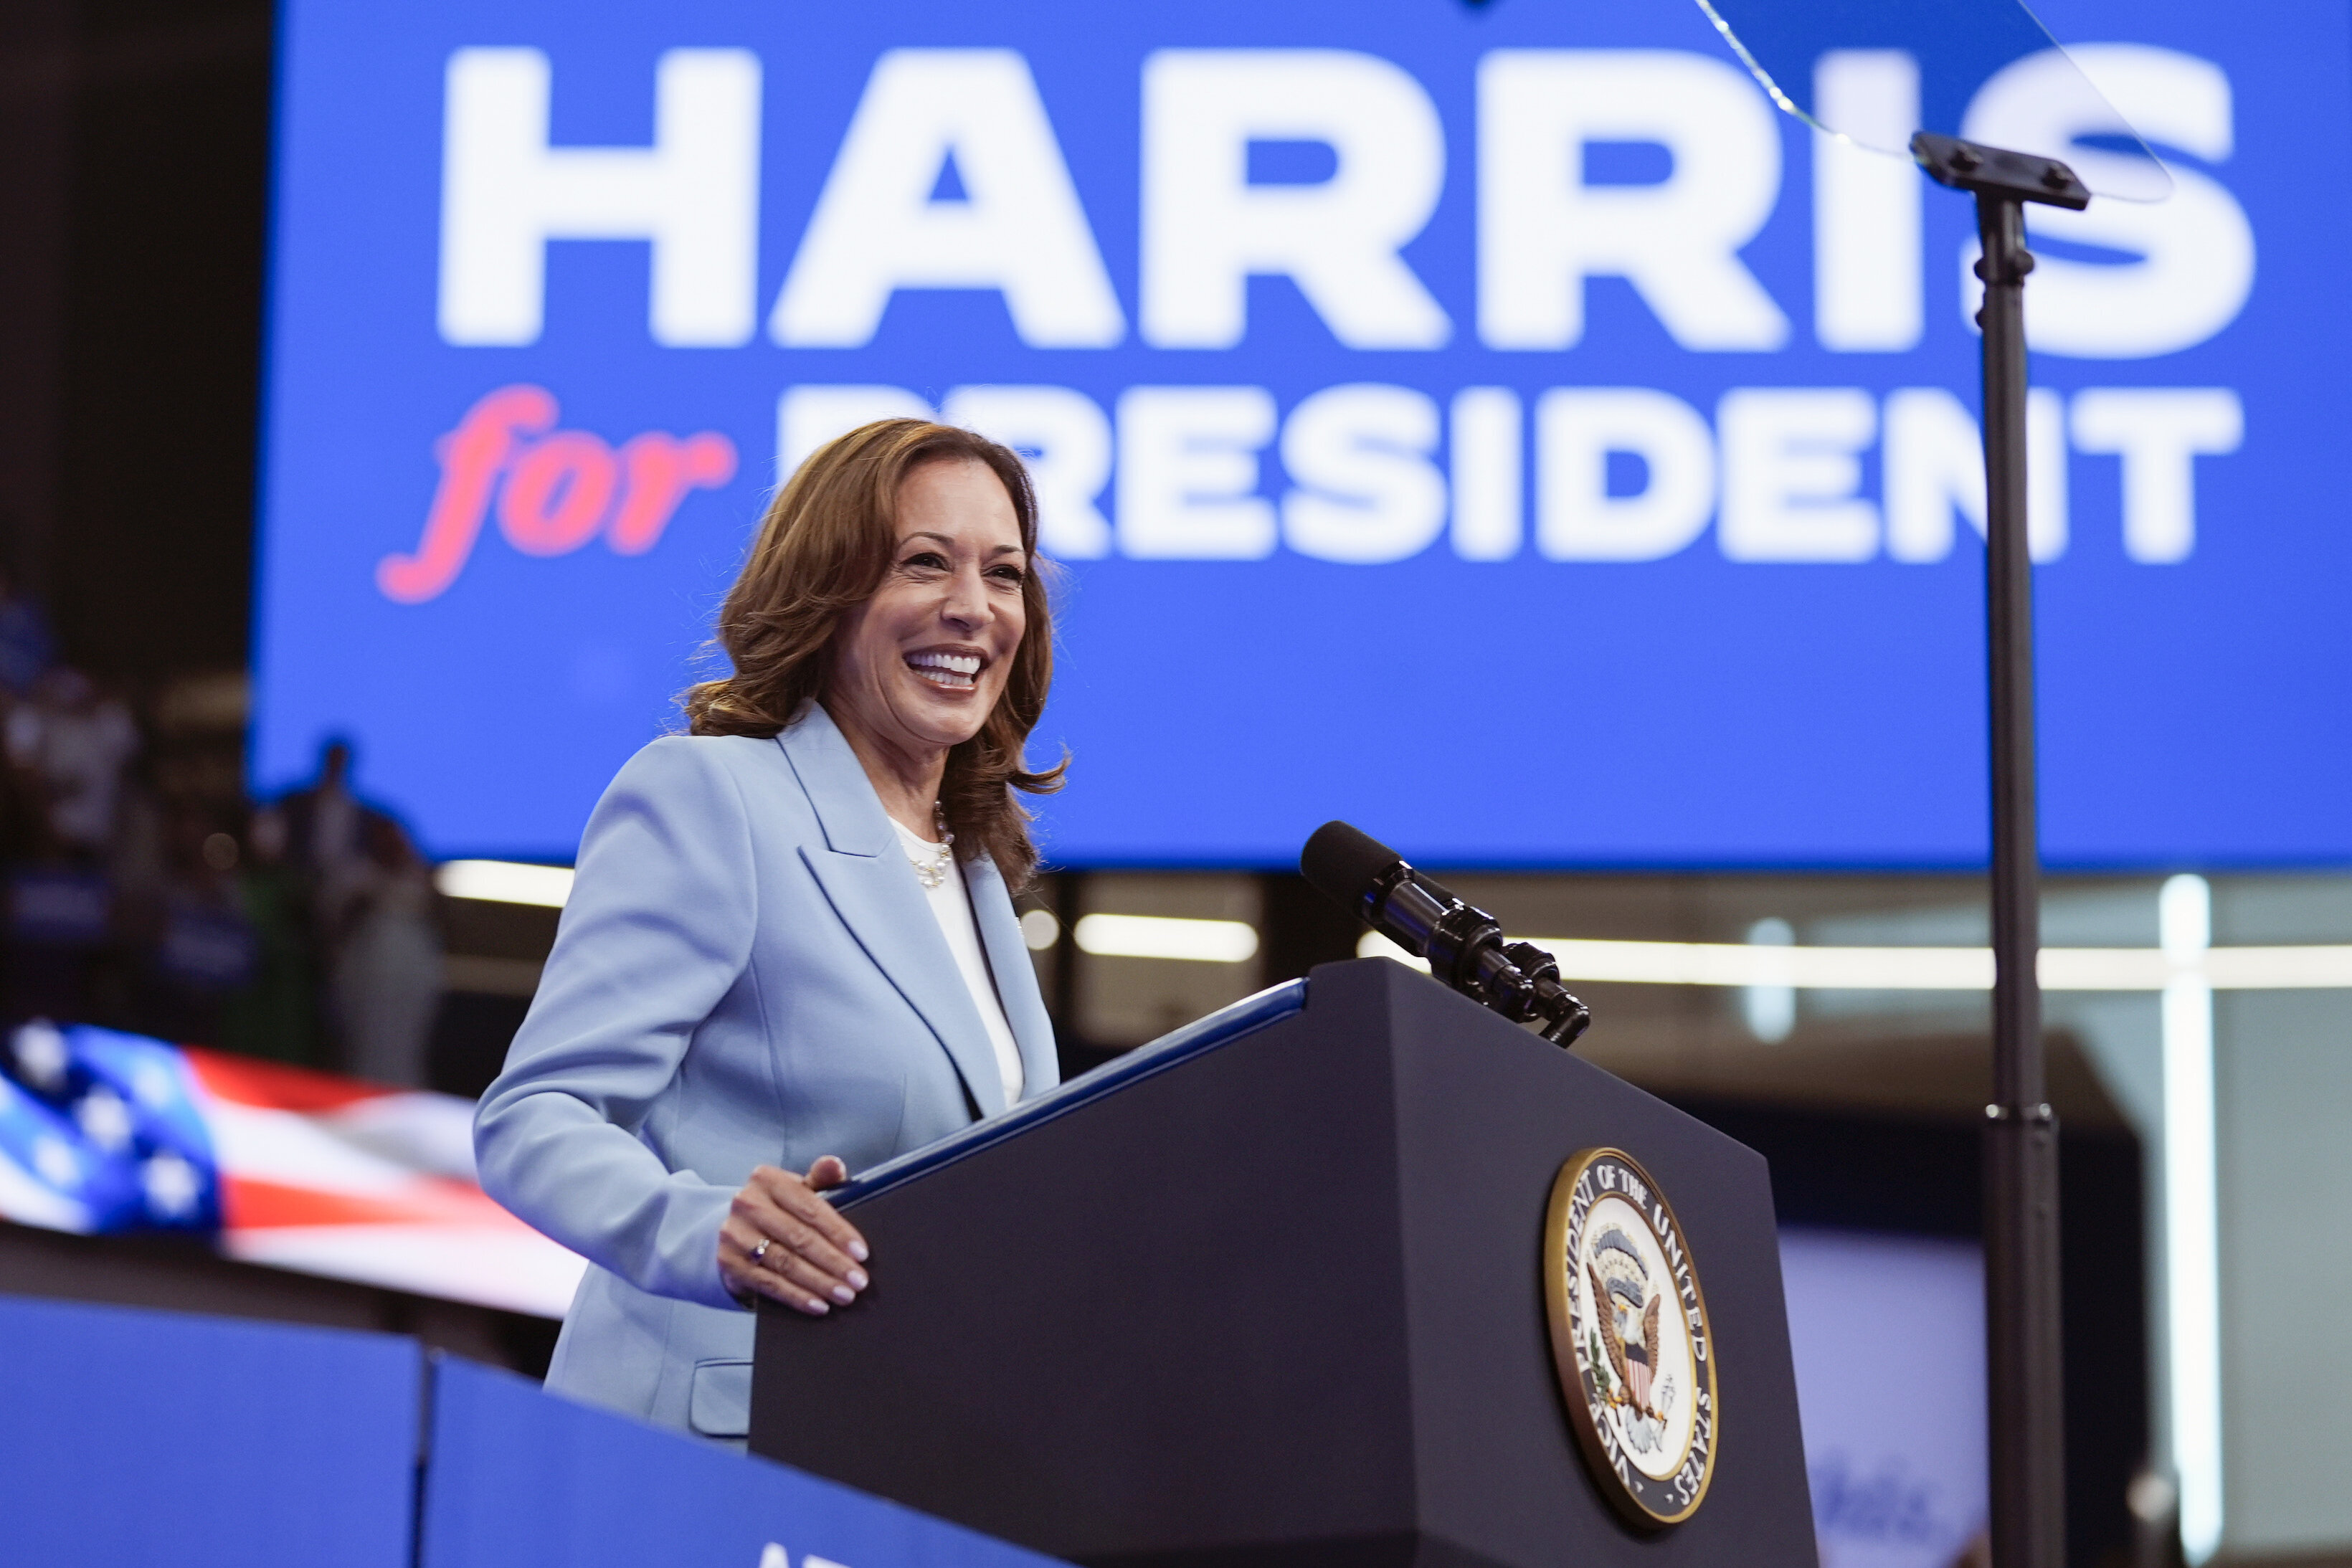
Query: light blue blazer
[{"x": 748, "y": 973}]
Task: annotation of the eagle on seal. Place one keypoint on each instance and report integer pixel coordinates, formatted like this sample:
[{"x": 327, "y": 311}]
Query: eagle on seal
[{"x": 1627, "y": 1314}]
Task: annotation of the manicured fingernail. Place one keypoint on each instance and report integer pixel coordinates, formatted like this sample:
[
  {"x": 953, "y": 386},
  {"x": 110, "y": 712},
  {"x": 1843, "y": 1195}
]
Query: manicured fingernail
[
  {"x": 857, "y": 1250},
  {"x": 857, "y": 1278},
  {"x": 817, "y": 1309},
  {"x": 843, "y": 1294}
]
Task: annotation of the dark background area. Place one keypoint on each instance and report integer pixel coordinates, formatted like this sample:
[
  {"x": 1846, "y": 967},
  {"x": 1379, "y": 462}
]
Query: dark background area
[
  {"x": 1926, "y": 1177},
  {"x": 134, "y": 138}
]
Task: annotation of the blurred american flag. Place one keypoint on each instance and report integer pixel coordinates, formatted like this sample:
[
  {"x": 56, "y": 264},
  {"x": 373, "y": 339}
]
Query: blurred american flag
[{"x": 107, "y": 1132}]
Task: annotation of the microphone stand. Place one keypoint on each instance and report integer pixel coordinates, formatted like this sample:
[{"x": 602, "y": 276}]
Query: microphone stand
[{"x": 2022, "y": 1284}]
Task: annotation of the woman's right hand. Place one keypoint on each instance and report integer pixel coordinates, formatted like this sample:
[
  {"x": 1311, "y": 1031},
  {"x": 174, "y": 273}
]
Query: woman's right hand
[{"x": 782, "y": 1240}]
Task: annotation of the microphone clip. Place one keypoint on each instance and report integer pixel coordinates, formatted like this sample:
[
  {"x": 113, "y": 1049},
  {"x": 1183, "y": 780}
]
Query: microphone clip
[{"x": 1465, "y": 949}]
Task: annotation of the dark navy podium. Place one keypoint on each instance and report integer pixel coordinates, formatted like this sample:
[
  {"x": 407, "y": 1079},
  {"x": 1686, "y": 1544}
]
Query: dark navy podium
[{"x": 1270, "y": 1291}]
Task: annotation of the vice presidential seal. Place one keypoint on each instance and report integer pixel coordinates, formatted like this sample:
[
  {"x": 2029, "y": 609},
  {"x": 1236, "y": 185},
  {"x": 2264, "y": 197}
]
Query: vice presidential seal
[{"x": 1630, "y": 1338}]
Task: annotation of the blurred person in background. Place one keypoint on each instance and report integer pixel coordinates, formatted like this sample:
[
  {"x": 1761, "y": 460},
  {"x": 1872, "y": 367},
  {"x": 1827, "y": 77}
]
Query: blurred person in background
[
  {"x": 790, "y": 939},
  {"x": 321, "y": 828},
  {"x": 44, "y": 960},
  {"x": 25, "y": 655},
  {"x": 27, "y": 648},
  {"x": 199, "y": 948},
  {"x": 276, "y": 1013},
  {"x": 385, "y": 972},
  {"x": 74, "y": 740},
  {"x": 68, "y": 744},
  {"x": 368, "y": 896}
]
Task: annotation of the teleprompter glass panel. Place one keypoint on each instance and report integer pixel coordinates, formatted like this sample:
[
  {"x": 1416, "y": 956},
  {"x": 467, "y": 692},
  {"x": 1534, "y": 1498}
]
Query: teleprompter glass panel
[{"x": 1874, "y": 71}]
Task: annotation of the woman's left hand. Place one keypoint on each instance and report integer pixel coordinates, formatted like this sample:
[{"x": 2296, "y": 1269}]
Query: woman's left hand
[{"x": 782, "y": 1240}]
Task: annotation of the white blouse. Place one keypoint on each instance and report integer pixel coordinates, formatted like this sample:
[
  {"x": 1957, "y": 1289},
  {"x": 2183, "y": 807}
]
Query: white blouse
[{"x": 951, "y": 907}]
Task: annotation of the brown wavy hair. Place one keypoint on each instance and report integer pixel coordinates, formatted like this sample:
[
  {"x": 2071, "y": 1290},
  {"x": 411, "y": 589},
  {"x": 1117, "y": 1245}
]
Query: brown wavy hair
[{"x": 822, "y": 549}]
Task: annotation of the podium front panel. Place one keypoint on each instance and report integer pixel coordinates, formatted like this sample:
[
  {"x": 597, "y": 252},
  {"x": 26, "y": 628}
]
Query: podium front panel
[{"x": 1283, "y": 1304}]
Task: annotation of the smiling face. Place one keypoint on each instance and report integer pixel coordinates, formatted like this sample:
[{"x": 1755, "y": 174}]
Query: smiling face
[{"x": 917, "y": 667}]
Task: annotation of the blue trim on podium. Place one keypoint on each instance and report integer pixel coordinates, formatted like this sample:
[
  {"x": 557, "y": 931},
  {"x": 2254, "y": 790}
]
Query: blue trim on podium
[{"x": 1221, "y": 1027}]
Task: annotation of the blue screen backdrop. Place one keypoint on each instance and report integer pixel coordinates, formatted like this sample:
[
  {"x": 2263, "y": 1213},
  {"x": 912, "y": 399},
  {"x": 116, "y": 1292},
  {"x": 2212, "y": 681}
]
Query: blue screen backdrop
[{"x": 1496, "y": 427}]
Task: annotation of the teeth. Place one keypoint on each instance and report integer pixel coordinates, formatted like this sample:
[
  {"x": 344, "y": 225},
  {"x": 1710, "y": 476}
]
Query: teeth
[
  {"x": 957, "y": 663},
  {"x": 954, "y": 672}
]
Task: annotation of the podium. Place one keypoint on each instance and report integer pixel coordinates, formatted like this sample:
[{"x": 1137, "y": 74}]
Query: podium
[{"x": 1273, "y": 1292}]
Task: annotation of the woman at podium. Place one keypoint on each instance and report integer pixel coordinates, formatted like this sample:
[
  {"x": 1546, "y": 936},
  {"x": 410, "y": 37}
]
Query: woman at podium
[{"x": 791, "y": 944}]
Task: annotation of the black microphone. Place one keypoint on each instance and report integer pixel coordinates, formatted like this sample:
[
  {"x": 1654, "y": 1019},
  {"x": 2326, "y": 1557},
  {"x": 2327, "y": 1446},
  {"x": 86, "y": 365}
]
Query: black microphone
[{"x": 1464, "y": 945}]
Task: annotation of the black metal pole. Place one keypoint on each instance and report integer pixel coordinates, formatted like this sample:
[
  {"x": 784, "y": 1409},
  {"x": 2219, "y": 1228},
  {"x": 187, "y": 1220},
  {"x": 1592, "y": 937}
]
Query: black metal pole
[
  {"x": 2022, "y": 1287},
  {"x": 2022, "y": 1293}
]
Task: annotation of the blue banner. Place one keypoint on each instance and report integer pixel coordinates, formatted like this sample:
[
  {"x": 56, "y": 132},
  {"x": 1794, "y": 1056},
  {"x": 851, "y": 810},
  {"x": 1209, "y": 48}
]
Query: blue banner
[
  {"x": 132, "y": 1439},
  {"x": 1495, "y": 424},
  {"x": 521, "y": 1479}
]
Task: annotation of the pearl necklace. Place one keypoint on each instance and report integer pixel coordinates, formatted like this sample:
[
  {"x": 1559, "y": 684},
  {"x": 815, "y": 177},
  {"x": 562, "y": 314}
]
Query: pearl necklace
[{"x": 932, "y": 867}]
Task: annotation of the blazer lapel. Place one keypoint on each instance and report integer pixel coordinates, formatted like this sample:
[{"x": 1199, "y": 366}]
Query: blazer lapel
[
  {"x": 874, "y": 893},
  {"x": 1016, "y": 977}
]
